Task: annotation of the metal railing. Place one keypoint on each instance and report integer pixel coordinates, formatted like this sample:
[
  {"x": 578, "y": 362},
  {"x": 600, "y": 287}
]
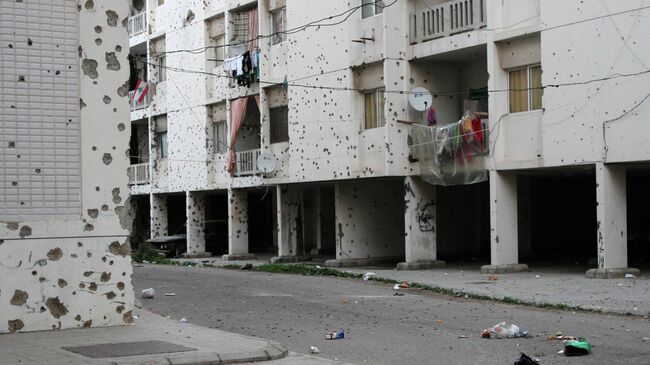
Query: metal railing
[
  {"x": 139, "y": 174},
  {"x": 137, "y": 24},
  {"x": 246, "y": 162},
  {"x": 135, "y": 104},
  {"x": 446, "y": 19}
]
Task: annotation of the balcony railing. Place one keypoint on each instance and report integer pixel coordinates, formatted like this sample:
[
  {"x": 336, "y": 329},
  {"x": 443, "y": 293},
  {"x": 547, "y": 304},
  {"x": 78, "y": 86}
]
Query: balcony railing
[
  {"x": 246, "y": 162},
  {"x": 137, "y": 24},
  {"x": 448, "y": 18},
  {"x": 139, "y": 174},
  {"x": 135, "y": 105}
]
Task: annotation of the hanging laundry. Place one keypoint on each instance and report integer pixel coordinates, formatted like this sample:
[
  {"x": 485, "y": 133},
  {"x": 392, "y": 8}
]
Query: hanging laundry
[{"x": 431, "y": 117}]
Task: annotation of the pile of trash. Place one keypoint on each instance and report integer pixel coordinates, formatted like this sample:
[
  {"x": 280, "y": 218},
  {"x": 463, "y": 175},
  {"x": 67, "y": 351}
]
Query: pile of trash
[{"x": 504, "y": 330}]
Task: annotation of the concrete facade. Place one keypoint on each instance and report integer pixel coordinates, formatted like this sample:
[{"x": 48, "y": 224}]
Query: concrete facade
[
  {"x": 64, "y": 222},
  {"x": 588, "y": 118}
]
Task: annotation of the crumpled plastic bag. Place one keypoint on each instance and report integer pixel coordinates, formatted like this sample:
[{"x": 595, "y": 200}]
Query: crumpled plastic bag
[
  {"x": 148, "y": 293},
  {"x": 504, "y": 330},
  {"x": 578, "y": 347},
  {"x": 526, "y": 360}
]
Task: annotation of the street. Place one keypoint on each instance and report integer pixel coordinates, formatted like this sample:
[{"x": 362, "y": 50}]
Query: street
[{"x": 380, "y": 328}]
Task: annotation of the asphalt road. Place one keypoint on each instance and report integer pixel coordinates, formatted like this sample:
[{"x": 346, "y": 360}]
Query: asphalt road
[{"x": 418, "y": 328}]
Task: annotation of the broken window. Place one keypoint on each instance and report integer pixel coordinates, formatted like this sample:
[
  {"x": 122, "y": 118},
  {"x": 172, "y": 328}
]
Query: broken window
[
  {"x": 159, "y": 49},
  {"x": 279, "y": 25},
  {"x": 162, "y": 142},
  {"x": 279, "y": 124},
  {"x": 371, "y": 8},
  {"x": 216, "y": 39},
  {"x": 161, "y": 136},
  {"x": 525, "y": 89},
  {"x": 374, "y": 109}
]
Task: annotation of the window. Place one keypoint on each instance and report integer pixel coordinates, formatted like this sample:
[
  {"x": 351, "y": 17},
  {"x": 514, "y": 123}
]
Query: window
[
  {"x": 374, "y": 109},
  {"x": 219, "y": 53},
  {"x": 162, "y": 143},
  {"x": 279, "y": 124},
  {"x": 161, "y": 2},
  {"x": 220, "y": 137},
  {"x": 525, "y": 89},
  {"x": 162, "y": 68},
  {"x": 279, "y": 25},
  {"x": 371, "y": 8}
]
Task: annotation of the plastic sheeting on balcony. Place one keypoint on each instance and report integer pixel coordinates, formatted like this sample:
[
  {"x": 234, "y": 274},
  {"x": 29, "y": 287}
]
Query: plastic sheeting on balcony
[{"x": 454, "y": 153}]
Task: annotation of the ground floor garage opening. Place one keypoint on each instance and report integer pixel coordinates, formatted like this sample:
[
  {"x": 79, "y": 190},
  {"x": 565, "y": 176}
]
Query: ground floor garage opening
[
  {"x": 261, "y": 222},
  {"x": 463, "y": 223},
  {"x": 216, "y": 222},
  {"x": 638, "y": 218}
]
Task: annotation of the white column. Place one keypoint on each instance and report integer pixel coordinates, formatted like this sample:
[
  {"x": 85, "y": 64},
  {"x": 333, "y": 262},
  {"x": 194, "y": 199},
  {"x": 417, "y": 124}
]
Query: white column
[
  {"x": 504, "y": 252},
  {"x": 237, "y": 225},
  {"x": 287, "y": 215},
  {"x": 611, "y": 212},
  {"x": 158, "y": 215},
  {"x": 195, "y": 213},
  {"x": 420, "y": 226}
]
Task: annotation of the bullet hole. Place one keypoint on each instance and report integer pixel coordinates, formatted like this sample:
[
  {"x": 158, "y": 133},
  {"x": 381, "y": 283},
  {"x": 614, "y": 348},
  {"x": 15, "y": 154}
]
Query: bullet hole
[
  {"x": 81, "y": 104},
  {"x": 104, "y": 208},
  {"x": 119, "y": 250},
  {"x": 57, "y": 309},
  {"x": 116, "y": 196},
  {"x": 42, "y": 309},
  {"x": 82, "y": 285},
  {"x": 92, "y": 287},
  {"x": 77, "y": 318},
  {"x": 21, "y": 78},
  {"x": 34, "y": 273},
  {"x": 98, "y": 41},
  {"x": 106, "y": 276},
  {"x": 112, "y": 63},
  {"x": 124, "y": 89},
  {"x": 15, "y": 325},
  {"x": 11, "y": 45},
  {"x": 88, "y": 227},
  {"x": 120, "y": 285},
  {"x": 38, "y": 171},
  {"x": 121, "y": 127},
  {"x": 89, "y": 67},
  {"x": 93, "y": 213},
  {"x": 88, "y": 273},
  {"x": 94, "y": 148},
  {"x": 14, "y": 183},
  {"x": 30, "y": 42},
  {"x": 55, "y": 254},
  {"x": 97, "y": 188},
  {"x": 128, "y": 317},
  {"x": 118, "y": 48},
  {"x": 119, "y": 309},
  {"x": 25, "y": 231},
  {"x": 19, "y": 298},
  {"x": 80, "y": 50},
  {"x": 89, "y": 4},
  {"x": 111, "y": 18},
  {"x": 98, "y": 29},
  {"x": 110, "y": 295},
  {"x": 190, "y": 16},
  {"x": 88, "y": 323},
  {"x": 62, "y": 283},
  {"x": 107, "y": 158},
  {"x": 12, "y": 226},
  {"x": 107, "y": 99},
  {"x": 57, "y": 72}
]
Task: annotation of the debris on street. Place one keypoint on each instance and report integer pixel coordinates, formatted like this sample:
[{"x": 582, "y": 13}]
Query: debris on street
[
  {"x": 248, "y": 266},
  {"x": 630, "y": 276},
  {"x": 148, "y": 293},
  {"x": 404, "y": 285},
  {"x": 526, "y": 360},
  {"x": 463, "y": 336},
  {"x": 493, "y": 277},
  {"x": 504, "y": 330},
  {"x": 314, "y": 350},
  {"x": 579, "y": 347},
  {"x": 170, "y": 294},
  {"x": 369, "y": 276},
  {"x": 335, "y": 335},
  {"x": 183, "y": 320},
  {"x": 396, "y": 287},
  {"x": 398, "y": 294}
]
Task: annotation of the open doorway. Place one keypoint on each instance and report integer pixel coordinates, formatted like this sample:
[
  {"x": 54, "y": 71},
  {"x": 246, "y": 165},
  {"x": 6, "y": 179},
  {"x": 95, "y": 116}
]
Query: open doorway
[
  {"x": 319, "y": 222},
  {"x": 216, "y": 223},
  {"x": 638, "y": 219},
  {"x": 261, "y": 222}
]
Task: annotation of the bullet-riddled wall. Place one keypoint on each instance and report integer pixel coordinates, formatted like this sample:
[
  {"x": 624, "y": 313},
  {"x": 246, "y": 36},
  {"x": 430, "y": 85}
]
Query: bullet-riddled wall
[{"x": 64, "y": 253}]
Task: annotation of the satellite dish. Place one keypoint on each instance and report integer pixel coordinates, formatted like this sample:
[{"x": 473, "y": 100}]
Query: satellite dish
[
  {"x": 420, "y": 99},
  {"x": 266, "y": 163}
]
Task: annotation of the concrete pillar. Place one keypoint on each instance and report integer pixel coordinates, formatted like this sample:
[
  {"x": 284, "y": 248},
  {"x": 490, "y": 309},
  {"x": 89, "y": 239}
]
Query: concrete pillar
[
  {"x": 524, "y": 220},
  {"x": 318, "y": 222},
  {"x": 158, "y": 215},
  {"x": 195, "y": 213},
  {"x": 420, "y": 225},
  {"x": 237, "y": 226},
  {"x": 611, "y": 211},
  {"x": 504, "y": 255},
  {"x": 288, "y": 202}
]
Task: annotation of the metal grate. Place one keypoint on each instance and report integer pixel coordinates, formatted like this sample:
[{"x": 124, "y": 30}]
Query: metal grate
[{"x": 127, "y": 349}]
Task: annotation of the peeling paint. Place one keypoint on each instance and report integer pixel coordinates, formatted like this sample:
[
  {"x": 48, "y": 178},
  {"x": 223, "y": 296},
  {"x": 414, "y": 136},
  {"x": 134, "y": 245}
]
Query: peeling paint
[
  {"x": 19, "y": 298},
  {"x": 89, "y": 68},
  {"x": 57, "y": 309},
  {"x": 55, "y": 254}
]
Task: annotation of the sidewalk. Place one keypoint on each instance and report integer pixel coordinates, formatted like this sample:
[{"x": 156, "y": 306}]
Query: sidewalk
[
  {"x": 561, "y": 285},
  {"x": 149, "y": 340},
  {"x": 565, "y": 286}
]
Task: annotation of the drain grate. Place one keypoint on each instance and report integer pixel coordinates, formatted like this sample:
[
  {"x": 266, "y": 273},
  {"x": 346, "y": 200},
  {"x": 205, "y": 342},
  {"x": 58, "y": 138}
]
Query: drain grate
[{"x": 128, "y": 349}]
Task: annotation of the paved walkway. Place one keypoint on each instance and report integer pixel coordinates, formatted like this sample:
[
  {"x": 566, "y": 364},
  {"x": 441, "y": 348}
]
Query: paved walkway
[
  {"x": 554, "y": 285},
  {"x": 207, "y": 345}
]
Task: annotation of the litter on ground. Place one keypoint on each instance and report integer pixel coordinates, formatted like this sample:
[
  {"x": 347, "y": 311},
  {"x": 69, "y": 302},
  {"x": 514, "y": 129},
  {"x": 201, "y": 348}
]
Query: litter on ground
[
  {"x": 148, "y": 293},
  {"x": 504, "y": 330},
  {"x": 335, "y": 335}
]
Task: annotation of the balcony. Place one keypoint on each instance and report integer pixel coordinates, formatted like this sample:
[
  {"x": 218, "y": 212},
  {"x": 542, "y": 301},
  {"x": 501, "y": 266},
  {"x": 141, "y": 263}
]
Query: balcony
[
  {"x": 448, "y": 18},
  {"x": 135, "y": 104},
  {"x": 137, "y": 24},
  {"x": 246, "y": 162},
  {"x": 139, "y": 174}
]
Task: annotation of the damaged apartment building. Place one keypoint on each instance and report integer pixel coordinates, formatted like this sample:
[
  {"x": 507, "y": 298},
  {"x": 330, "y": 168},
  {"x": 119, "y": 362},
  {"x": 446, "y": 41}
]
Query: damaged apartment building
[
  {"x": 404, "y": 132},
  {"x": 64, "y": 117}
]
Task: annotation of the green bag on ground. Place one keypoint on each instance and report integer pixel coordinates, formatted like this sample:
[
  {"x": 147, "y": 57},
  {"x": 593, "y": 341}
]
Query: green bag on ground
[{"x": 577, "y": 348}]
